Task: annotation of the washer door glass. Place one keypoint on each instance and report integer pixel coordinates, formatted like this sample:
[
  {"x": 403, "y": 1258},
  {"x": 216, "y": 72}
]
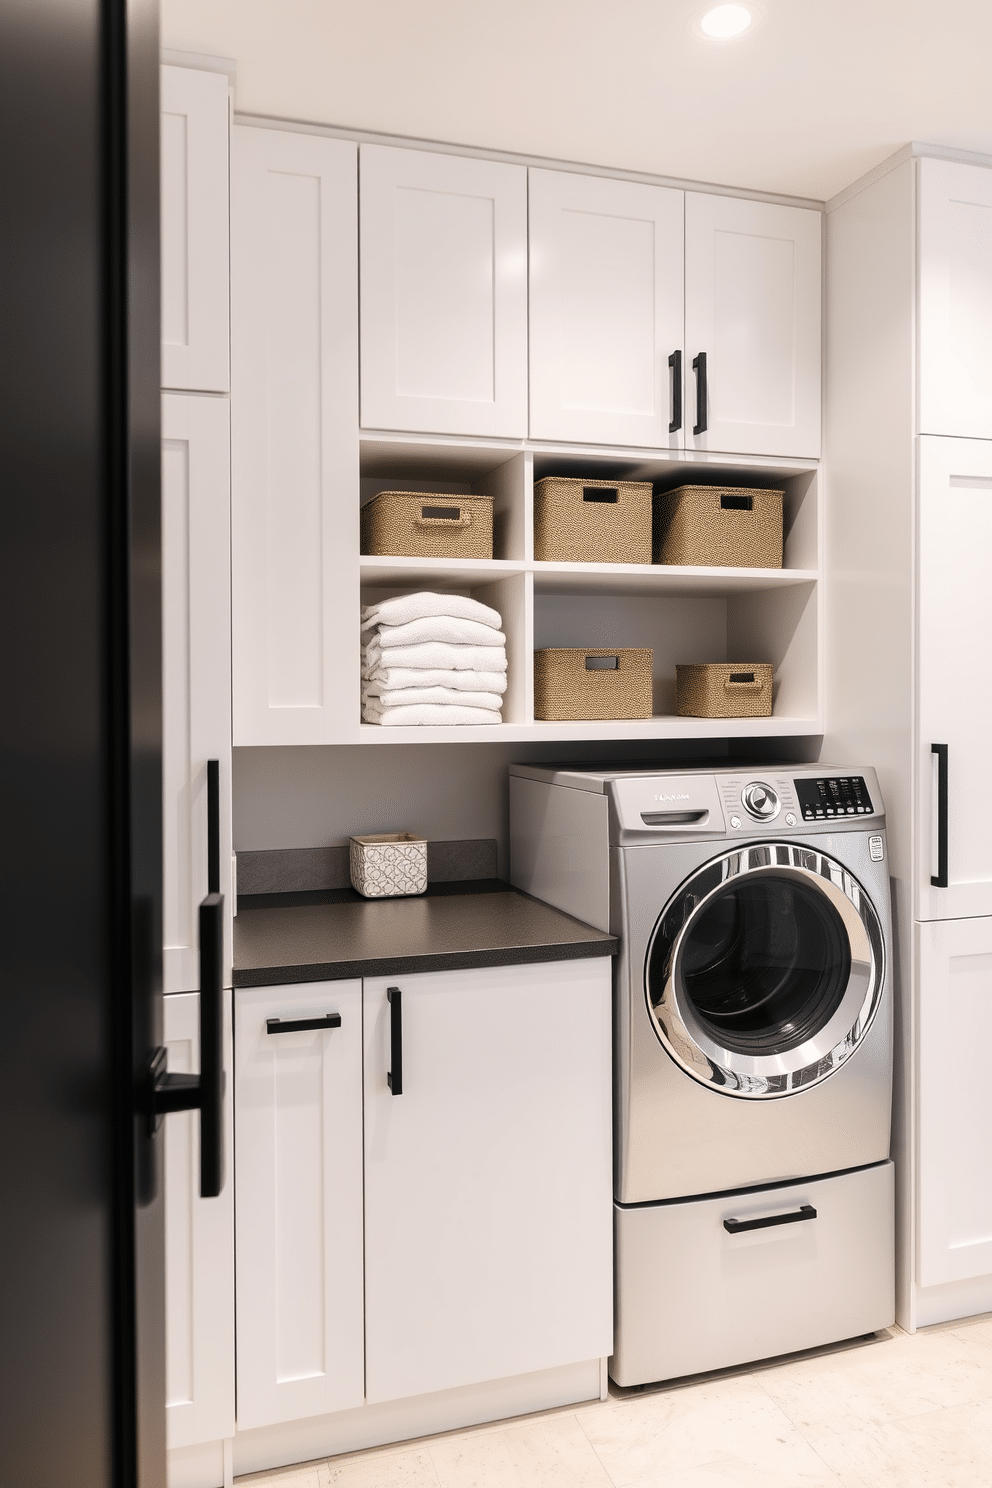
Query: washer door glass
[{"x": 765, "y": 970}]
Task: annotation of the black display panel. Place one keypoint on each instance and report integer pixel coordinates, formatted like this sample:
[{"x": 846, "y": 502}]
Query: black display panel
[{"x": 834, "y": 795}]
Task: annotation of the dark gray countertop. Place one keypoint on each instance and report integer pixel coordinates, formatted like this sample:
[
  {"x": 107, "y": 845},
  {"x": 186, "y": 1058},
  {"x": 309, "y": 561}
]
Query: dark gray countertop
[{"x": 382, "y": 937}]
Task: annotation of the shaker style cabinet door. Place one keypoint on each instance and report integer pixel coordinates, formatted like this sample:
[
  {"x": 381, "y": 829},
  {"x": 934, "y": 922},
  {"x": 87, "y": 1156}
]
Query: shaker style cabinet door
[
  {"x": 954, "y": 968},
  {"x": 444, "y": 293},
  {"x": 954, "y": 693},
  {"x": 194, "y": 187},
  {"x": 488, "y": 1173},
  {"x": 752, "y": 327},
  {"x": 605, "y": 310},
  {"x": 196, "y": 671},
  {"x": 294, "y": 451},
  {"x": 199, "y": 1253},
  {"x": 955, "y": 289},
  {"x": 298, "y": 1107}
]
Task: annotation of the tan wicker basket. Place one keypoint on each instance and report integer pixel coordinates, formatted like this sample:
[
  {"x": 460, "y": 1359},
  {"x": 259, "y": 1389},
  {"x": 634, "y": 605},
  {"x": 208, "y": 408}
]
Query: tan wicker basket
[
  {"x": 572, "y": 683},
  {"x": 592, "y": 521},
  {"x": 412, "y": 524},
  {"x": 718, "y": 527},
  {"x": 724, "y": 689}
]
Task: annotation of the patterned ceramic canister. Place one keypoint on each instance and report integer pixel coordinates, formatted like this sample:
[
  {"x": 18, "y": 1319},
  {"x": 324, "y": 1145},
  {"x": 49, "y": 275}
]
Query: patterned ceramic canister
[{"x": 388, "y": 864}]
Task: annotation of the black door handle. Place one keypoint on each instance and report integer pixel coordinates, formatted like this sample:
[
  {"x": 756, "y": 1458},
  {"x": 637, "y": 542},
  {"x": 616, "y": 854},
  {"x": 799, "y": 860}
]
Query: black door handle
[
  {"x": 297, "y": 1025},
  {"x": 675, "y": 362},
  {"x": 939, "y": 879},
  {"x": 203, "y": 1092},
  {"x": 394, "y": 1077},
  {"x": 699, "y": 367},
  {"x": 735, "y": 1226},
  {"x": 213, "y": 826}
]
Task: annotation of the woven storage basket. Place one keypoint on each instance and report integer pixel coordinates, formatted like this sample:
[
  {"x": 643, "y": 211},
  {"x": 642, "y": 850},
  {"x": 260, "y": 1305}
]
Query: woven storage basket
[
  {"x": 719, "y": 527},
  {"x": 388, "y": 864},
  {"x": 570, "y": 683},
  {"x": 592, "y": 521},
  {"x": 412, "y": 524},
  {"x": 724, "y": 689}
]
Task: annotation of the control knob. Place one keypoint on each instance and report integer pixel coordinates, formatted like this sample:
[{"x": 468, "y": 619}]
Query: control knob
[{"x": 760, "y": 801}]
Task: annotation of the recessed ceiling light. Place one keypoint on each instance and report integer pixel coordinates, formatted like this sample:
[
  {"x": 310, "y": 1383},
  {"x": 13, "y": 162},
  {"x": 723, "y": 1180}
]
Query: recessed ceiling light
[{"x": 727, "y": 22}]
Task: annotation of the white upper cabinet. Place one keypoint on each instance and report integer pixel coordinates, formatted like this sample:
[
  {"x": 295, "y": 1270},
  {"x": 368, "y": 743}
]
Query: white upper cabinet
[
  {"x": 294, "y": 446},
  {"x": 196, "y": 671},
  {"x": 955, "y": 676},
  {"x": 194, "y": 187},
  {"x": 955, "y": 304},
  {"x": 606, "y": 314},
  {"x": 752, "y": 327},
  {"x": 444, "y": 293}
]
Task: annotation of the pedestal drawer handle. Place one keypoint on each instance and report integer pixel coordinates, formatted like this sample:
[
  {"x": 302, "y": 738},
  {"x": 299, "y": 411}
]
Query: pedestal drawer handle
[
  {"x": 299, "y": 1025},
  {"x": 735, "y": 1226}
]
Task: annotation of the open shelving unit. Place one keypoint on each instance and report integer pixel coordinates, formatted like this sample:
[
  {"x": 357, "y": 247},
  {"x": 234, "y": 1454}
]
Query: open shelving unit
[{"x": 683, "y": 614}]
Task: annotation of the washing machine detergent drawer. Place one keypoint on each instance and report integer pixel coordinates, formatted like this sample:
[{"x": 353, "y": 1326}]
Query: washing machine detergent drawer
[{"x": 708, "y": 1283}]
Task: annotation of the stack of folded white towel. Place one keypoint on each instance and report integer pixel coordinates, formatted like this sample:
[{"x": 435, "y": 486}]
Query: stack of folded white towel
[{"x": 432, "y": 658}]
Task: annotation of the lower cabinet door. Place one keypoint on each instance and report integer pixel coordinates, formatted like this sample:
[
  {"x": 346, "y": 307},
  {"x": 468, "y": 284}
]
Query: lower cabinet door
[
  {"x": 199, "y": 1254},
  {"x": 298, "y": 1102},
  {"x": 954, "y": 1120},
  {"x": 488, "y": 1165}
]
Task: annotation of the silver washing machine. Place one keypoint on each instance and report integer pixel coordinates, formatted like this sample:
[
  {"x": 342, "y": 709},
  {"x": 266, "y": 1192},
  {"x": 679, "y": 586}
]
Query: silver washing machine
[{"x": 753, "y": 1046}]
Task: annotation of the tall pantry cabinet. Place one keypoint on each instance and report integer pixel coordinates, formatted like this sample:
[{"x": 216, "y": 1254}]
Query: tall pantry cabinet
[{"x": 909, "y": 448}]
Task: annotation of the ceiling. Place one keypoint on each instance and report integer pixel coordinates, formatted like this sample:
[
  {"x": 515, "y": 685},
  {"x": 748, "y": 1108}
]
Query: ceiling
[{"x": 817, "y": 95}]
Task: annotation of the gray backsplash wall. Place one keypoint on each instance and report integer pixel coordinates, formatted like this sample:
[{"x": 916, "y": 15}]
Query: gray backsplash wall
[{"x": 318, "y": 797}]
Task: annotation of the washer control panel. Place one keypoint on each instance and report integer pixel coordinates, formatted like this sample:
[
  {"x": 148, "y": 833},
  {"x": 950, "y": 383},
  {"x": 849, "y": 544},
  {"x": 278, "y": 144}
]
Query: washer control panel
[
  {"x": 760, "y": 801},
  {"x": 833, "y": 795}
]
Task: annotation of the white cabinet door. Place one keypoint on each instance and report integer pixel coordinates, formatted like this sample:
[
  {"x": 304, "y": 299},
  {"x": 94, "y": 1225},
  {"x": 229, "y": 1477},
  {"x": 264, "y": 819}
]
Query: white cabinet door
[
  {"x": 298, "y": 1104},
  {"x": 196, "y": 670},
  {"x": 194, "y": 188},
  {"x": 199, "y": 1253},
  {"x": 955, "y": 289},
  {"x": 954, "y": 969},
  {"x": 444, "y": 293},
  {"x": 488, "y": 1180},
  {"x": 294, "y": 410},
  {"x": 752, "y": 308},
  {"x": 605, "y": 310},
  {"x": 954, "y": 696}
]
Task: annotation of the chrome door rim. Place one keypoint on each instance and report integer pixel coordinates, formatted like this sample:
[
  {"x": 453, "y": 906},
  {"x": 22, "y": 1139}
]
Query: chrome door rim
[{"x": 770, "y": 1076}]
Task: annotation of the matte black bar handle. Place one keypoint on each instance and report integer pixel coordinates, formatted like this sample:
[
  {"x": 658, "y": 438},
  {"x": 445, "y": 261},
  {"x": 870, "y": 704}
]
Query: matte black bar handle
[
  {"x": 939, "y": 879},
  {"x": 298, "y": 1025},
  {"x": 213, "y": 826},
  {"x": 699, "y": 367},
  {"x": 735, "y": 1226},
  {"x": 394, "y": 1078},
  {"x": 675, "y": 362}
]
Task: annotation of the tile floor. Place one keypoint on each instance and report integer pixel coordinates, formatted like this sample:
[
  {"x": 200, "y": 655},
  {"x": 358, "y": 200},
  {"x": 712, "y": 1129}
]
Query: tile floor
[{"x": 898, "y": 1411}]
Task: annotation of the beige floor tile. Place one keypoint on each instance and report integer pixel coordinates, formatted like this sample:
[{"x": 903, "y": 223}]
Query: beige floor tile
[
  {"x": 888, "y": 1381},
  {"x": 411, "y": 1468},
  {"x": 285, "y": 1477},
  {"x": 549, "y": 1453},
  {"x": 976, "y": 1338},
  {"x": 730, "y": 1426},
  {"x": 949, "y": 1448}
]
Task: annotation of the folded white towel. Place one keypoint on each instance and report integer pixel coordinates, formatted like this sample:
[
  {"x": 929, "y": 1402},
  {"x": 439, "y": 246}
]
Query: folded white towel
[
  {"x": 376, "y": 696},
  {"x": 386, "y": 679},
  {"x": 446, "y": 628},
  {"x": 436, "y": 655},
  {"x": 418, "y": 606},
  {"x": 443, "y": 713}
]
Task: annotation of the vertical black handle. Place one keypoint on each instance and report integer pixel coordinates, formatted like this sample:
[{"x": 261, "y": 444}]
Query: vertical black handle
[
  {"x": 675, "y": 362},
  {"x": 213, "y": 826},
  {"x": 394, "y": 1079},
  {"x": 939, "y": 879},
  {"x": 699, "y": 367},
  {"x": 211, "y": 1046}
]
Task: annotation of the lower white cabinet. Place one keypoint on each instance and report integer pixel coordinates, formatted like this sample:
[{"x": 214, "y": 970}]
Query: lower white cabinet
[
  {"x": 298, "y": 1101},
  {"x": 199, "y": 1253},
  {"x": 954, "y": 976}
]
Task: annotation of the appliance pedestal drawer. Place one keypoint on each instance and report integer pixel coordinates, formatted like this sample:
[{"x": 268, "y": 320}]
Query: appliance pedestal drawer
[{"x": 709, "y": 1283}]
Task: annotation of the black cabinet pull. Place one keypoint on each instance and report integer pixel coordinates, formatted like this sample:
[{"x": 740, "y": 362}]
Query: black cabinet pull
[
  {"x": 213, "y": 826},
  {"x": 699, "y": 367},
  {"x": 939, "y": 879},
  {"x": 675, "y": 362},
  {"x": 735, "y": 1226},
  {"x": 298, "y": 1025},
  {"x": 394, "y": 1077}
]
